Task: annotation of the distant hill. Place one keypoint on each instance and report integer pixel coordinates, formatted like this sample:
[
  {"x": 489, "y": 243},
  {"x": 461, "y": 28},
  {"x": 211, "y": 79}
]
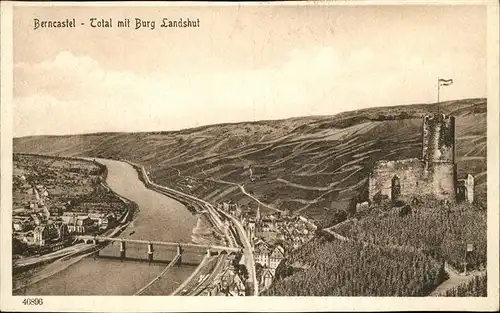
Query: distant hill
[{"x": 309, "y": 165}]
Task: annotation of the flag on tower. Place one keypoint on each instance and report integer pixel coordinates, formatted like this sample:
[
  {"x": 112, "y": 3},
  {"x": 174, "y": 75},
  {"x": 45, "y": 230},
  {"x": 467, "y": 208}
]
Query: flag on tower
[{"x": 445, "y": 82}]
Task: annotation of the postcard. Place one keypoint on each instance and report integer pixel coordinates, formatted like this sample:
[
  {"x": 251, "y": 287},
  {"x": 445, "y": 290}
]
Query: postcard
[{"x": 193, "y": 156}]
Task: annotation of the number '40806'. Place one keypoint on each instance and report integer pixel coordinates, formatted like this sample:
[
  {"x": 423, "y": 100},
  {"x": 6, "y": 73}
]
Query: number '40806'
[{"x": 33, "y": 301}]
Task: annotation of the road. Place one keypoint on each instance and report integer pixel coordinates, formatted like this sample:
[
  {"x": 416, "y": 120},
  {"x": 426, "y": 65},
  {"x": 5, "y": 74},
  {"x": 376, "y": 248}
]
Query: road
[
  {"x": 335, "y": 234},
  {"x": 206, "y": 260},
  {"x": 242, "y": 188},
  {"x": 78, "y": 248},
  {"x": 453, "y": 281},
  {"x": 248, "y": 253},
  {"x": 204, "y": 284},
  {"x": 247, "y": 248}
]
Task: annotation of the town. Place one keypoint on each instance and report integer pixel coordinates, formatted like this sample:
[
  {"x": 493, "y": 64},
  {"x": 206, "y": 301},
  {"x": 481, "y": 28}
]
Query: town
[
  {"x": 54, "y": 198},
  {"x": 272, "y": 237}
]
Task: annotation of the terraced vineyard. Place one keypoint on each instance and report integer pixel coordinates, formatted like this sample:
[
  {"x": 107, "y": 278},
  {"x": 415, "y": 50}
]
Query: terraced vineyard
[
  {"x": 384, "y": 253},
  {"x": 318, "y": 167},
  {"x": 433, "y": 230},
  {"x": 310, "y": 165},
  {"x": 337, "y": 268}
]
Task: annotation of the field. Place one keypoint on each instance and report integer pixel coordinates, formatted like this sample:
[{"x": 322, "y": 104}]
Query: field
[
  {"x": 435, "y": 231},
  {"x": 336, "y": 268},
  {"x": 309, "y": 165},
  {"x": 71, "y": 185},
  {"x": 399, "y": 253}
]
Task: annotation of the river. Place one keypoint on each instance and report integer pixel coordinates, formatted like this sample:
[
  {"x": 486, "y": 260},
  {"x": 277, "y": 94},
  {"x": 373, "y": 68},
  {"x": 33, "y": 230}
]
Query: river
[{"x": 160, "y": 218}]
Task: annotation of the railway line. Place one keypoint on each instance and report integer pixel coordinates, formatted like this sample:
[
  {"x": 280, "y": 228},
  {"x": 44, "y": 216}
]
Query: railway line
[{"x": 230, "y": 229}]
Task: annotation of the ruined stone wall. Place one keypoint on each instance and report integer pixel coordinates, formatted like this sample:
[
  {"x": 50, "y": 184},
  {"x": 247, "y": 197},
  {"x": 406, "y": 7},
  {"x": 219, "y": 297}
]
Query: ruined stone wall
[
  {"x": 417, "y": 178},
  {"x": 469, "y": 185},
  {"x": 441, "y": 180},
  {"x": 438, "y": 138},
  {"x": 410, "y": 173}
]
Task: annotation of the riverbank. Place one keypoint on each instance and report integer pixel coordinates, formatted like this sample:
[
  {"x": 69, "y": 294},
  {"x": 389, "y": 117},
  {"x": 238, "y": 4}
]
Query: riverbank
[
  {"x": 163, "y": 217},
  {"x": 206, "y": 231},
  {"x": 35, "y": 275},
  {"x": 128, "y": 216},
  {"x": 30, "y": 273},
  {"x": 30, "y": 270},
  {"x": 219, "y": 231}
]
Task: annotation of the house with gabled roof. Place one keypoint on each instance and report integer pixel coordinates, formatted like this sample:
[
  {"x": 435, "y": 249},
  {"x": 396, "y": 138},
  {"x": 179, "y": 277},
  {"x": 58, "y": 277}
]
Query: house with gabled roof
[
  {"x": 266, "y": 278},
  {"x": 261, "y": 252},
  {"x": 277, "y": 254},
  {"x": 231, "y": 283}
]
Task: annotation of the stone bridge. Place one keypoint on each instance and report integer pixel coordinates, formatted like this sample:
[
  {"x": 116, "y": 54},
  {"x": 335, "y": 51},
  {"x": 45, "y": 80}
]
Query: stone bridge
[{"x": 150, "y": 243}]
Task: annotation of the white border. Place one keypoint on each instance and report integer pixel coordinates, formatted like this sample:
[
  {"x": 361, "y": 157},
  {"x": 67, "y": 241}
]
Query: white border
[
  {"x": 254, "y": 3},
  {"x": 221, "y": 304}
]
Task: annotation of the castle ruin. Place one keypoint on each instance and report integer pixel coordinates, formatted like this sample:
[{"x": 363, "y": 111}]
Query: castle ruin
[{"x": 434, "y": 174}]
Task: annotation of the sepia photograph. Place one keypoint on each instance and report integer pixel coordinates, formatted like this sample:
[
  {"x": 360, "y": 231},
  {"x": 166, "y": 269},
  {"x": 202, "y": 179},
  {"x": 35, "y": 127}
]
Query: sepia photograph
[{"x": 299, "y": 150}]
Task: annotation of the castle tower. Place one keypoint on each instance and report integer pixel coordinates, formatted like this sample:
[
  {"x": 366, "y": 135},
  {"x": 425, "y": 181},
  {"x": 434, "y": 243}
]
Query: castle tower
[
  {"x": 438, "y": 138},
  {"x": 438, "y": 155}
]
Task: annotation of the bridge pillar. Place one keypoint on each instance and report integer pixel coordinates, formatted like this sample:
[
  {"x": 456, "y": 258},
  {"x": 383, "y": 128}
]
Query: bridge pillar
[
  {"x": 150, "y": 252},
  {"x": 123, "y": 250},
  {"x": 209, "y": 253},
  {"x": 179, "y": 251}
]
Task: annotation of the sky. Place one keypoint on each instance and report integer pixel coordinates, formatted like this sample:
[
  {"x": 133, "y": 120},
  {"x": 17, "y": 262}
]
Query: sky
[{"x": 243, "y": 63}]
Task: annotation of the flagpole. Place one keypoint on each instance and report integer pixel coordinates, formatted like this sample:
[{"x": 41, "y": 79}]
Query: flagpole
[{"x": 438, "y": 97}]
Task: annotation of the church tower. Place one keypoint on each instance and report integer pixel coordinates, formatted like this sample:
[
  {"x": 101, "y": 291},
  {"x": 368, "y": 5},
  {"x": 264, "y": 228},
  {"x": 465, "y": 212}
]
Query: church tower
[{"x": 257, "y": 216}]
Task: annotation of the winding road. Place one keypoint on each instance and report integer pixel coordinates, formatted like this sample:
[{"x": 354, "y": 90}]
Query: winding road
[
  {"x": 247, "y": 247},
  {"x": 242, "y": 188}
]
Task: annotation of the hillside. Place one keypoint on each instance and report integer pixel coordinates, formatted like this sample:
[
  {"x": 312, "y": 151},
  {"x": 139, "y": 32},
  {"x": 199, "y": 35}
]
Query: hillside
[{"x": 310, "y": 165}]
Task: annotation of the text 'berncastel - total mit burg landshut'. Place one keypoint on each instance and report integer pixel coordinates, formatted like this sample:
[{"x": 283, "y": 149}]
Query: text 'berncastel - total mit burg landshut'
[{"x": 135, "y": 23}]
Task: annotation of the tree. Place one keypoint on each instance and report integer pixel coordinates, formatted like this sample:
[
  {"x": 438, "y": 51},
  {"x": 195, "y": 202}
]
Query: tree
[
  {"x": 242, "y": 271},
  {"x": 404, "y": 115},
  {"x": 18, "y": 247}
]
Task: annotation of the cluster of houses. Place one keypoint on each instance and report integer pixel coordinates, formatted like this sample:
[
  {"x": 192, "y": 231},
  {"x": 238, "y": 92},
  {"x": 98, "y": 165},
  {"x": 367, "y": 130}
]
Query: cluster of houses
[
  {"x": 267, "y": 259},
  {"x": 231, "y": 283},
  {"x": 228, "y": 283},
  {"x": 186, "y": 183},
  {"x": 38, "y": 229},
  {"x": 271, "y": 236},
  {"x": 37, "y": 225}
]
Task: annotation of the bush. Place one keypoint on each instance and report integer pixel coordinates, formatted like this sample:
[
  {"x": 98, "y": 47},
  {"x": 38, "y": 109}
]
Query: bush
[
  {"x": 379, "y": 198},
  {"x": 405, "y": 211},
  {"x": 330, "y": 218},
  {"x": 19, "y": 247}
]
